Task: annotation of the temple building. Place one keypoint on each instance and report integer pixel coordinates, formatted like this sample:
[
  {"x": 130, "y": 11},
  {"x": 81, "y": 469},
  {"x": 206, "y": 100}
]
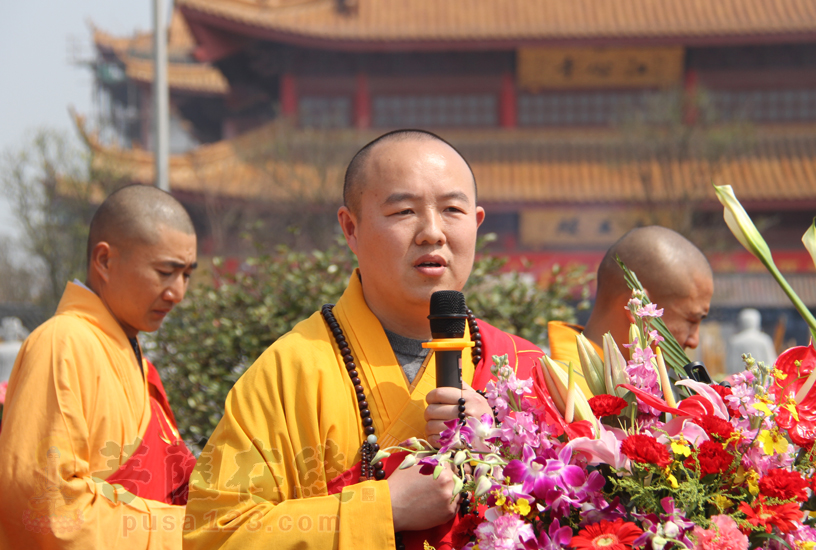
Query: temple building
[{"x": 581, "y": 119}]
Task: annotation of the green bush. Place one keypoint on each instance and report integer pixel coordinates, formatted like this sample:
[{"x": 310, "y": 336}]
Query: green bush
[{"x": 210, "y": 339}]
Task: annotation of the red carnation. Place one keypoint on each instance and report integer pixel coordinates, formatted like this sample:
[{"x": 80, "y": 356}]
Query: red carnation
[
  {"x": 464, "y": 530},
  {"x": 606, "y": 535},
  {"x": 715, "y": 427},
  {"x": 646, "y": 449},
  {"x": 784, "y": 516},
  {"x": 724, "y": 392},
  {"x": 713, "y": 459},
  {"x": 783, "y": 484},
  {"x": 607, "y": 405}
]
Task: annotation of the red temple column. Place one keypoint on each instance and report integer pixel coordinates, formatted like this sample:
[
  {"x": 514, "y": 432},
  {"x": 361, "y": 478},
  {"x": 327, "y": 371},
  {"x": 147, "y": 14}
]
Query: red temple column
[
  {"x": 288, "y": 95},
  {"x": 508, "y": 111},
  {"x": 362, "y": 103},
  {"x": 690, "y": 107}
]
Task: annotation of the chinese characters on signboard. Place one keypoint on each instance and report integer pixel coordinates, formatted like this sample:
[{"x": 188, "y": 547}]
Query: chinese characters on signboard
[
  {"x": 559, "y": 68},
  {"x": 583, "y": 227}
]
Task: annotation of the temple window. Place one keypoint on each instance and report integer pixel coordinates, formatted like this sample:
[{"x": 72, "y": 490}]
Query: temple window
[
  {"x": 324, "y": 112},
  {"x": 765, "y": 105},
  {"x": 603, "y": 108},
  {"x": 451, "y": 111}
]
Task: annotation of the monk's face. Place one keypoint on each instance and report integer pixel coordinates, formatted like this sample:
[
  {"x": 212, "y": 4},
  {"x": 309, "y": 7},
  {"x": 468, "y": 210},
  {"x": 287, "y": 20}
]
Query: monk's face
[
  {"x": 145, "y": 281},
  {"x": 415, "y": 229},
  {"x": 683, "y": 314}
]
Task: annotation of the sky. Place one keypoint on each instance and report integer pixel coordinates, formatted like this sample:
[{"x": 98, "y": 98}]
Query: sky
[{"x": 39, "y": 80}]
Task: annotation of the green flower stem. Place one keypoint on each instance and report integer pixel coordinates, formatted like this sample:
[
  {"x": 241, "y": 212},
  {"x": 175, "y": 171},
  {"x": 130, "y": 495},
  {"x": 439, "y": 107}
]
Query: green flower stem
[{"x": 797, "y": 302}]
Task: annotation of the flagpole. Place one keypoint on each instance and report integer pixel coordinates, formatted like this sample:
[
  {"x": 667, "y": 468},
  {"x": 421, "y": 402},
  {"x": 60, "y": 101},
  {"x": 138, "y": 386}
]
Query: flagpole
[{"x": 161, "y": 101}]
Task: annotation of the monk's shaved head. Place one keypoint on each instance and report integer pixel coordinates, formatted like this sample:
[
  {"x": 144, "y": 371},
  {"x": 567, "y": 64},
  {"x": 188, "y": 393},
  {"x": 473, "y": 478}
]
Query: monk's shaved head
[
  {"x": 134, "y": 215},
  {"x": 354, "y": 182},
  {"x": 663, "y": 260},
  {"x": 675, "y": 275}
]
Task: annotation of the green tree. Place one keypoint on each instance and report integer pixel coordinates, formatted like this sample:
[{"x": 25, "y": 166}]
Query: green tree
[
  {"x": 54, "y": 188},
  {"x": 222, "y": 326}
]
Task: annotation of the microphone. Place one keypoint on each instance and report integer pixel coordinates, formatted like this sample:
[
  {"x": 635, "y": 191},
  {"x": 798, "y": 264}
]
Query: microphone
[{"x": 448, "y": 318}]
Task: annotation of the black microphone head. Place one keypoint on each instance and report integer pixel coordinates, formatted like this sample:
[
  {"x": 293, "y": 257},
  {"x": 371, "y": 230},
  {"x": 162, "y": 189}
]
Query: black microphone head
[{"x": 448, "y": 314}]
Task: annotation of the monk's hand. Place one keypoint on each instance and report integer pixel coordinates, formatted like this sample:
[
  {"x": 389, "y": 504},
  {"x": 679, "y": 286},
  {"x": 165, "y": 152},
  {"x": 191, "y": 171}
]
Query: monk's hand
[
  {"x": 443, "y": 405},
  {"x": 420, "y": 501}
]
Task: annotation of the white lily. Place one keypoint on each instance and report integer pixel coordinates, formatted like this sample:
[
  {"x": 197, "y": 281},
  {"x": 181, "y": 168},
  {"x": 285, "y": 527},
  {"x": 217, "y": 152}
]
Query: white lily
[
  {"x": 591, "y": 364},
  {"x": 557, "y": 381},
  {"x": 740, "y": 224},
  {"x": 614, "y": 367},
  {"x": 809, "y": 240},
  {"x": 747, "y": 234}
]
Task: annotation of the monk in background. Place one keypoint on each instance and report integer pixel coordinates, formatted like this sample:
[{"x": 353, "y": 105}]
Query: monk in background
[
  {"x": 90, "y": 453},
  {"x": 289, "y": 465},
  {"x": 675, "y": 275}
]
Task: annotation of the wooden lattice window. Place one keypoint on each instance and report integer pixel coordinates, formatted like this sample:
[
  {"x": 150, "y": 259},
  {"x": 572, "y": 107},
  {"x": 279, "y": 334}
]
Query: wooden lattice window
[
  {"x": 324, "y": 112},
  {"x": 452, "y": 111},
  {"x": 765, "y": 105}
]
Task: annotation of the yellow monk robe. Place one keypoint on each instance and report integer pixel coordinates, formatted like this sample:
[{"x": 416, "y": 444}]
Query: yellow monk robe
[
  {"x": 292, "y": 424},
  {"x": 76, "y": 406},
  {"x": 564, "y": 348}
]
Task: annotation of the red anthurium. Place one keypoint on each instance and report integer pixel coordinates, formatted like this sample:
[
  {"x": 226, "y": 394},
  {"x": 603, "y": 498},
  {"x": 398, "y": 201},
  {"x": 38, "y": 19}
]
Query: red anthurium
[
  {"x": 654, "y": 402},
  {"x": 580, "y": 428},
  {"x": 794, "y": 366},
  {"x": 696, "y": 406},
  {"x": 794, "y": 375}
]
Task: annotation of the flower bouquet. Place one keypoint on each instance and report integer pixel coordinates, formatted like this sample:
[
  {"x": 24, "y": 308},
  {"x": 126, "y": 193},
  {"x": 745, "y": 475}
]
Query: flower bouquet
[{"x": 633, "y": 467}]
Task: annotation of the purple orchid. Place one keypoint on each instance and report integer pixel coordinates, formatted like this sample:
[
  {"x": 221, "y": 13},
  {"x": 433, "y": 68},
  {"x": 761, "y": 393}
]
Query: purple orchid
[
  {"x": 556, "y": 538},
  {"x": 670, "y": 525},
  {"x": 539, "y": 476},
  {"x": 456, "y": 436},
  {"x": 519, "y": 431}
]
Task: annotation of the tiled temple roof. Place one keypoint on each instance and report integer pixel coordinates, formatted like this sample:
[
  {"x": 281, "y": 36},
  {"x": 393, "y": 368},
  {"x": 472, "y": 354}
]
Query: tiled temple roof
[
  {"x": 183, "y": 71},
  {"x": 511, "y": 21},
  {"x": 523, "y": 167}
]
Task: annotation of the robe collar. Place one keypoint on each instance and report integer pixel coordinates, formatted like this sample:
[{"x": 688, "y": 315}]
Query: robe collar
[
  {"x": 81, "y": 302},
  {"x": 399, "y": 405}
]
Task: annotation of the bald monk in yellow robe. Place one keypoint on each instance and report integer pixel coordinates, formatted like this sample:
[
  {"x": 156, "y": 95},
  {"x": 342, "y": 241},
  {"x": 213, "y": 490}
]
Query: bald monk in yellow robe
[
  {"x": 91, "y": 457},
  {"x": 675, "y": 275},
  {"x": 285, "y": 467}
]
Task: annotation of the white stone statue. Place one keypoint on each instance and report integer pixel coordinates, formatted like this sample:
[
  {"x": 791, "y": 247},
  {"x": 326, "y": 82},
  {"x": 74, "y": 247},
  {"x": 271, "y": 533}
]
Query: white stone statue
[{"x": 749, "y": 339}]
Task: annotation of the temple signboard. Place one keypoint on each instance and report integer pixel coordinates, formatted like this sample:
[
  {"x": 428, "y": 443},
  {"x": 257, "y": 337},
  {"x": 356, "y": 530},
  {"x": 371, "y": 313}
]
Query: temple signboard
[
  {"x": 560, "y": 68},
  {"x": 582, "y": 227}
]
